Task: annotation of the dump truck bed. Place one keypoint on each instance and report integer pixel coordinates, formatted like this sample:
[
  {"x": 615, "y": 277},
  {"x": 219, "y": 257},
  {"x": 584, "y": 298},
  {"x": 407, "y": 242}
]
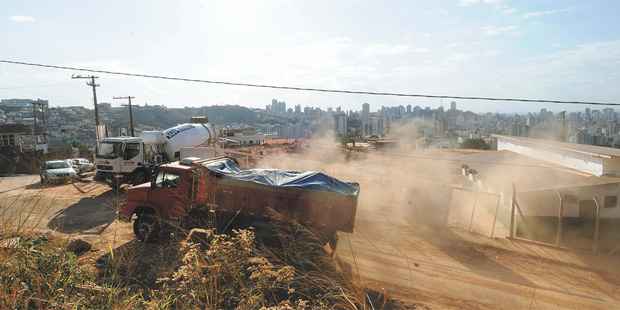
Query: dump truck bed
[{"x": 311, "y": 198}]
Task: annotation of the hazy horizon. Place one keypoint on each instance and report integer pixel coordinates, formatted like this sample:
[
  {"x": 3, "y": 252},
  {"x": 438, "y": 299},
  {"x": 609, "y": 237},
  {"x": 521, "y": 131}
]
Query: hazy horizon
[{"x": 529, "y": 49}]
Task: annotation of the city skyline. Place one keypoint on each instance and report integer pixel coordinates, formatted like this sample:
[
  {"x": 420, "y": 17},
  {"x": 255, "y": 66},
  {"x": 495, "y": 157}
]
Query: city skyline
[
  {"x": 296, "y": 108},
  {"x": 477, "y": 48}
]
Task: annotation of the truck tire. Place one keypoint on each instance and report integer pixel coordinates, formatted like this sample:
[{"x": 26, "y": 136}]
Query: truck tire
[{"x": 146, "y": 227}]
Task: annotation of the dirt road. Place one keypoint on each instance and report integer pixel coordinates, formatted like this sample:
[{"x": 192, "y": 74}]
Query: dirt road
[
  {"x": 443, "y": 268},
  {"x": 82, "y": 209}
]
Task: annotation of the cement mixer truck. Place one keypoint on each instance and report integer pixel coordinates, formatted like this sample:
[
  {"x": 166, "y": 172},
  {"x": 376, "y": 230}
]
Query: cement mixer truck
[{"x": 122, "y": 160}]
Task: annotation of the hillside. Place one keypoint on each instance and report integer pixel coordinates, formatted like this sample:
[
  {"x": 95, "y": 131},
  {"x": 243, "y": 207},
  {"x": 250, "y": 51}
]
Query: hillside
[{"x": 165, "y": 118}]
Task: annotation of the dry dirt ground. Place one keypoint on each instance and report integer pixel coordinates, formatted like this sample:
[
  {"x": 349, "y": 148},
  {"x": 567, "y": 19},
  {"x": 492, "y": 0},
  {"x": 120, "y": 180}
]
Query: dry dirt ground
[
  {"x": 437, "y": 267},
  {"x": 449, "y": 269},
  {"x": 82, "y": 209}
]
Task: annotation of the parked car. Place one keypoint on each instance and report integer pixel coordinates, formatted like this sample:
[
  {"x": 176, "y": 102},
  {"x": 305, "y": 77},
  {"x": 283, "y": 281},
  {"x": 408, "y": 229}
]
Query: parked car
[
  {"x": 57, "y": 171},
  {"x": 82, "y": 165}
]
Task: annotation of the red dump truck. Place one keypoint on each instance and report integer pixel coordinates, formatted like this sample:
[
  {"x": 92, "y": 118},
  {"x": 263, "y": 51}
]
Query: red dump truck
[{"x": 218, "y": 186}]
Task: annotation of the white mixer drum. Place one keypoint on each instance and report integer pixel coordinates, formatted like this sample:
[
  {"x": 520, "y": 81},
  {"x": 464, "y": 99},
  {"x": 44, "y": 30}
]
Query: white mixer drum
[{"x": 186, "y": 135}]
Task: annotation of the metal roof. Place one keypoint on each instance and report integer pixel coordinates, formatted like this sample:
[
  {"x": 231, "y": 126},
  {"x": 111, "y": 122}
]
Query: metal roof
[
  {"x": 122, "y": 139},
  {"x": 529, "y": 174},
  {"x": 592, "y": 150}
]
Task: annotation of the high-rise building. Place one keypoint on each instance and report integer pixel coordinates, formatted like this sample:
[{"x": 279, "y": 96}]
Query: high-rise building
[
  {"x": 278, "y": 107},
  {"x": 341, "y": 123},
  {"x": 453, "y": 106},
  {"x": 365, "y": 116}
]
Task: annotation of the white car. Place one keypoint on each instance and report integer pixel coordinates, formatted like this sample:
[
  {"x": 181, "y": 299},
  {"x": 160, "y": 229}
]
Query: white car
[
  {"x": 82, "y": 165},
  {"x": 57, "y": 171}
]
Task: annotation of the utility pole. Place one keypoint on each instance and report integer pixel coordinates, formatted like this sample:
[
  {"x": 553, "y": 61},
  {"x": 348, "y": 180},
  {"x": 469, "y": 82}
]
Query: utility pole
[
  {"x": 130, "y": 113},
  {"x": 564, "y": 130},
  {"x": 94, "y": 86},
  {"x": 34, "y": 137}
]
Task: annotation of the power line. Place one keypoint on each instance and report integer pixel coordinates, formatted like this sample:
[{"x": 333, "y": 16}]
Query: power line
[{"x": 325, "y": 90}]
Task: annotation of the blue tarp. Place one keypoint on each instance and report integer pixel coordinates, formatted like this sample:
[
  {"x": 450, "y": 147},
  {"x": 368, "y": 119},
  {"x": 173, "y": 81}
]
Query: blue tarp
[{"x": 311, "y": 180}]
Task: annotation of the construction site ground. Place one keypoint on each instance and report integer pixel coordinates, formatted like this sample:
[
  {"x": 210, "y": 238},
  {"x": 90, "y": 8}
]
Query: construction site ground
[
  {"x": 447, "y": 268},
  {"x": 435, "y": 266}
]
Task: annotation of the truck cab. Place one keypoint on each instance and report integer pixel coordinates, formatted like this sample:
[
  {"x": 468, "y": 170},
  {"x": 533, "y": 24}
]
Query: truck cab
[
  {"x": 168, "y": 196},
  {"x": 124, "y": 156},
  {"x": 130, "y": 159}
]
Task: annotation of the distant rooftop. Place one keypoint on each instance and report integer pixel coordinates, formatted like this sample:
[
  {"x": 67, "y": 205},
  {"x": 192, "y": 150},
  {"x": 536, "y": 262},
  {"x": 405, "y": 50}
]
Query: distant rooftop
[
  {"x": 500, "y": 169},
  {"x": 592, "y": 150}
]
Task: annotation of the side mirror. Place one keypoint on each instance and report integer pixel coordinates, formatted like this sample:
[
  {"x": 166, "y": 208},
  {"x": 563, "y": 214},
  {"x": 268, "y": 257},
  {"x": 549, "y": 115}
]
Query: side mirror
[{"x": 153, "y": 176}]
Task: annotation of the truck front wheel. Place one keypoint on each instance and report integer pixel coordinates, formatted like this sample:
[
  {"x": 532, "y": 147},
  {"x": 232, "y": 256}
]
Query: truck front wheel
[{"x": 146, "y": 227}]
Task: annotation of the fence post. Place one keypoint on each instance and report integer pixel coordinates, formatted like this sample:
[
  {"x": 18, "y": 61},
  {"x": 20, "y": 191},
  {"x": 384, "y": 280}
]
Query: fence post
[
  {"x": 596, "y": 225},
  {"x": 473, "y": 211},
  {"x": 499, "y": 201},
  {"x": 559, "y": 232},
  {"x": 512, "y": 211}
]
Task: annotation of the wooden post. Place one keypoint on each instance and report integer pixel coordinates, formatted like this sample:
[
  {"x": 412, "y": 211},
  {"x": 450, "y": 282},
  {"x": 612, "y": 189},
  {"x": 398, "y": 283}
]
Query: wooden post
[
  {"x": 596, "y": 225},
  {"x": 499, "y": 200},
  {"x": 473, "y": 211},
  {"x": 512, "y": 211},
  {"x": 558, "y": 236}
]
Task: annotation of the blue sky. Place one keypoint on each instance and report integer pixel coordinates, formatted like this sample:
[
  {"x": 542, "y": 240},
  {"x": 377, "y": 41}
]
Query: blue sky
[{"x": 566, "y": 50}]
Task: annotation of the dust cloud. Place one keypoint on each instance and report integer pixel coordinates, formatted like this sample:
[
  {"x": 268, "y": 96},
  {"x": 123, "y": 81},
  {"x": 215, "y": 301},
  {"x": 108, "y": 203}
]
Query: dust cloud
[{"x": 399, "y": 182}]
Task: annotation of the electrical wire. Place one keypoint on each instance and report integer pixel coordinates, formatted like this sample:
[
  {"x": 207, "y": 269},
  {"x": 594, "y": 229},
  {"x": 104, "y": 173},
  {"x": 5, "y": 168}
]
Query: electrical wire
[{"x": 325, "y": 90}]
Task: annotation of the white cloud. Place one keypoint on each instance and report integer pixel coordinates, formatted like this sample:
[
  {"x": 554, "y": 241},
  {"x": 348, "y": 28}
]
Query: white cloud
[
  {"x": 584, "y": 71},
  {"x": 472, "y": 2},
  {"x": 22, "y": 19},
  {"x": 509, "y": 10},
  {"x": 386, "y": 50},
  {"x": 421, "y": 50},
  {"x": 500, "y": 30},
  {"x": 544, "y": 13}
]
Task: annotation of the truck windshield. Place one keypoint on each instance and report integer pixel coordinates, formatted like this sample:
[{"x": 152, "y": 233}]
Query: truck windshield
[
  {"x": 109, "y": 150},
  {"x": 166, "y": 179},
  {"x": 56, "y": 165}
]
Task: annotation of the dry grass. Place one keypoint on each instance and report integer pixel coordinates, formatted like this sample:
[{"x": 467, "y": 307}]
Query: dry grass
[
  {"x": 38, "y": 273},
  {"x": 280, "y": 266},
  {"x": 277, "y": 265}
]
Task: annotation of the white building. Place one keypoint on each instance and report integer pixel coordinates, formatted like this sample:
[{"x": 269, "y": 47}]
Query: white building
[
  {"x": 365, "y": 119},
  {"x": 595, "y": 160},
  {"x": 241, "y": 137},
  {"x": 341, "y": 124},
  {"x": 555, "y": 193}
]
